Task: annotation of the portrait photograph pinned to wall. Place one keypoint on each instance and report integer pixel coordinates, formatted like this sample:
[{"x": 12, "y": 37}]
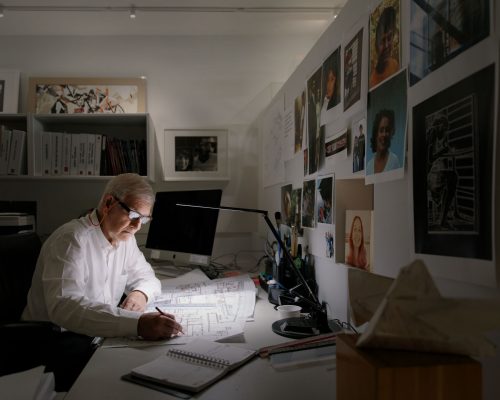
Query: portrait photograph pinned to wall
[
  {"x": 296, "y": 212},
  {"x": 286, "y": 204},
  {"x": 324, "y": 200},
  {"x": 358, "y": 131},
  {"x": 330, "y": 87},
  {"x": 300, "y": 121},
  {"x": 452, "y": 177},
  {"x": 308, "y": 203},
  {"x": 440, "y": 33},
  {"x": 385, "y": 42},
  {"x": 313, "y": 119},
  {"x": 385, "y": 151},
  {"x": 358, "y": 243},
  {"x": 353, "y": 60}
]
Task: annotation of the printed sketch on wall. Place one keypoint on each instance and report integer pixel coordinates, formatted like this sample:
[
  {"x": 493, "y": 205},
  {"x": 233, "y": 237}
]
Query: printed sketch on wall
[
  {"x": 442, "y": 30},
  {"x": 353, "y": 53},
  {"x": 308, "y": 203},
  {"x": 331, "y": 84},
  {"x": 300, "y": 120},
  {"x": 452, "y": 146},
  {"x": 313, "y": 119},
  {"x": 386, "y": 150},
  {"x": 358, "y": 228},
  {"x": 324, "y": 200},
  {"x": 385, "y": 43}
]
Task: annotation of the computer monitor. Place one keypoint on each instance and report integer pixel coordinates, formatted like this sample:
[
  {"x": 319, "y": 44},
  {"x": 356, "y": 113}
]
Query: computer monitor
[{"x": 184, "y": 235}]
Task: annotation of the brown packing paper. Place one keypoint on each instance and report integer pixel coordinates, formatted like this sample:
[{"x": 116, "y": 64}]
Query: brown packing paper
[{"x": 409, "y": 313}]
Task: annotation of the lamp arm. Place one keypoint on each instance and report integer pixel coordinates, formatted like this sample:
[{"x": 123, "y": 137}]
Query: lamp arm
[{"x": 290, "y": 260}]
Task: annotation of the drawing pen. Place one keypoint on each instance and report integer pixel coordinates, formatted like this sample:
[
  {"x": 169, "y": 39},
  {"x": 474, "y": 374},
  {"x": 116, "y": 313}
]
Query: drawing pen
[{"x": 168, "y": 316}]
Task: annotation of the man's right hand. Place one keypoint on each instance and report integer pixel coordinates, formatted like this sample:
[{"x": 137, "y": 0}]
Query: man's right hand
[{"x": 156, "y": 326}]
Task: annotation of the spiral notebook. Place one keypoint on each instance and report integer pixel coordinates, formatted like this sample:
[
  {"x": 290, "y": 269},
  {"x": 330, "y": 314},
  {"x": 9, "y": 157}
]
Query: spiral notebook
[{"x": 194, "y": 366}]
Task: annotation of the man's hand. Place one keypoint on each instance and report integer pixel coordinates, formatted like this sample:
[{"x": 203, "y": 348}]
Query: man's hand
[
  {"x": 156, "y": 326},
  {"x": 135, "y": 301}
]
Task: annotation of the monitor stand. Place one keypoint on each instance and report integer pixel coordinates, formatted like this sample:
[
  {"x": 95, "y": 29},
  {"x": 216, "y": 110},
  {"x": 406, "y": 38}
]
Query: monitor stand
[{"x": 300, "y": 327}]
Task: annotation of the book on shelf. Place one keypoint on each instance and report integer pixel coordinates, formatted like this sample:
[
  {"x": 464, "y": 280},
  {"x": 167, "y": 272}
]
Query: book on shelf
[
  {"x": 17, "y": 153},
  {"x": 97, "y": 154},
  {"x": 73, "y": 161},
  {"x": 194, "y": 366},
  {"x": 82, "y": 153},
  {"x": 90, "y": 154},
  {"x": 5, "y": 138},
  {"x": 57, "y": 153},
  {"x": 46, "y": 153},
  {"x": 66, "y": 153}
]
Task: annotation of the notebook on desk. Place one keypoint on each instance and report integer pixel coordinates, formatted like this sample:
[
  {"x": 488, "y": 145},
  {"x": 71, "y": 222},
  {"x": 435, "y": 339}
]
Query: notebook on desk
[{"x": 194, "y": 366}]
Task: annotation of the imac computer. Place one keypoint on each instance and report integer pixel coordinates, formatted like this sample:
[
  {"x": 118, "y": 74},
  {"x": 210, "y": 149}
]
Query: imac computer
[{"x": 183, "y": 236}]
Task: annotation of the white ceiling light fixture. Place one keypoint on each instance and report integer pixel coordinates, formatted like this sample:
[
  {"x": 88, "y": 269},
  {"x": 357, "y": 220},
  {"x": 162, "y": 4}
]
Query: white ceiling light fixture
[
  {"x": 1, "y": 11},
  {"x": 132, "y": 13}
]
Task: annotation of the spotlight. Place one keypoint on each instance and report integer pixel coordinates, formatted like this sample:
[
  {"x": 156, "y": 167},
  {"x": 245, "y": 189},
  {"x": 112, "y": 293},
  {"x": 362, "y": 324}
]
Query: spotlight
[
  {"x": 132, "y": 13},
  {"x": 1, "y": 12}
]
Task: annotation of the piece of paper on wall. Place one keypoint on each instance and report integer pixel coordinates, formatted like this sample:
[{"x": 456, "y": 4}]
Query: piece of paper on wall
[
  {"x": 336, "y": 147},
  {"x": 273, "y": 144},
  {"x": 288, "y": 135},
  {"x": 409, "y": 313}
]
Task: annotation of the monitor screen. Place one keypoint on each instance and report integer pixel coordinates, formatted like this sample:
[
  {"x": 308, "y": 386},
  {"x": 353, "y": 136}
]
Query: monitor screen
[{"x": 184, "y": 235}]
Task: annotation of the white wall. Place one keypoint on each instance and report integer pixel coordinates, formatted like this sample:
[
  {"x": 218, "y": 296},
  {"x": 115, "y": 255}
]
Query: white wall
[
  {"x": 192, "y": 82},
  {"x": 393, "y": 208}
]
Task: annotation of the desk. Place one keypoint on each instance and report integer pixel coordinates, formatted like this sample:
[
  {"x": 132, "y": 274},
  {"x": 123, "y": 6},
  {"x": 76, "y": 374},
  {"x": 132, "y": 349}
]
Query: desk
[{"x": 255, "y": 380}]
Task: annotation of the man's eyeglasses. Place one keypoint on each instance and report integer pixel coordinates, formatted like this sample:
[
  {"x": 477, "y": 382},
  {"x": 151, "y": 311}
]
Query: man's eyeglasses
[{"x": 134, "y": 215}]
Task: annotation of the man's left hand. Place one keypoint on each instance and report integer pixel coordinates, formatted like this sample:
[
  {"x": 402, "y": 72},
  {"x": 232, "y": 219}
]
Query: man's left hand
[{"x": 135, "y": 301}]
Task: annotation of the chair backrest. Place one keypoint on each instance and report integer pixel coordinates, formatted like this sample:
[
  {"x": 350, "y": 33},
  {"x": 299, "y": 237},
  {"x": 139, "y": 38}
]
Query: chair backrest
[{"x": 18, "y": 255}]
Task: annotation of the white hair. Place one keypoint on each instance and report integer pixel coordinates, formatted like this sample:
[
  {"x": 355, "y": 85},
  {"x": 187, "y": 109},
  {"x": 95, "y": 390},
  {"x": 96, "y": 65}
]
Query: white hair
[{"x": 124, "y": 185}]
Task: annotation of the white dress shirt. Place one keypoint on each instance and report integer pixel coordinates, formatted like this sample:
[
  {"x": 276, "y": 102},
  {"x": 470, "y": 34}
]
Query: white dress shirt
[{"x": 80, "y": 278}]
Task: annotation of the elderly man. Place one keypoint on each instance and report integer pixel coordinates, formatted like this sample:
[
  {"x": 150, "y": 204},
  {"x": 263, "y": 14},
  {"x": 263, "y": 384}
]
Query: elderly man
[{"x": 83, "y": 270}]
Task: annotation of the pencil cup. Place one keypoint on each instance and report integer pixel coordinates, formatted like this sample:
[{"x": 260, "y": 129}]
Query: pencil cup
[{"x": 289, "y": 311}]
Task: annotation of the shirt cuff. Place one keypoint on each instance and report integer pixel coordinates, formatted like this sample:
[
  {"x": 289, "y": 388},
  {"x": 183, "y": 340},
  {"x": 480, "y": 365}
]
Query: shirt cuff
[{"x": 128, "y": 322}]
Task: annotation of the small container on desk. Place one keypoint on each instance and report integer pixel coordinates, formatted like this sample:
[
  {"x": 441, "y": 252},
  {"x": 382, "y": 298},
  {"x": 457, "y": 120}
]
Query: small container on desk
[{"x": 383, "y": 374}]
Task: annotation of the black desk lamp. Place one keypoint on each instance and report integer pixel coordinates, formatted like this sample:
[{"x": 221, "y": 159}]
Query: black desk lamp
[{"x": 295, "y": 327}]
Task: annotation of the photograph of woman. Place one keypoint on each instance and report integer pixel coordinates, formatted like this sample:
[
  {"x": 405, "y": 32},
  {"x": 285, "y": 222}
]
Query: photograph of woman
[
  {"x": 330, "y": 84},
  {"x": 384, "y": 42},
  {"x": 380, "y": 142},
  {"x": 357, "y": 238},
  {"x": 386, "y": 130}
]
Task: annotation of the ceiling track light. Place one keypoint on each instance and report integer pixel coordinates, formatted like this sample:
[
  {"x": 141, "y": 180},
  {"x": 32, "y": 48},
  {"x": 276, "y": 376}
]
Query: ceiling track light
[
  {"x": 132, "y": 10},
  {"x": 1, "y": 11}
]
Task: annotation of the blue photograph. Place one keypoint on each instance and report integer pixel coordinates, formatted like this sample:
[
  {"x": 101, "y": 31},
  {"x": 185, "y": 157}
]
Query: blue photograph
[{"x": 385, "y": 147}]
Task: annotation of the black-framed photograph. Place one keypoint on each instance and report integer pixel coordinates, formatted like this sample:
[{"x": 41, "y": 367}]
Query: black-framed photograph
[
  {"x": 440, "y": 33},
  {"x": 452, "y": 174},
  {"x": 196, "y": 154},
  {"x": 9, "y": 91}
]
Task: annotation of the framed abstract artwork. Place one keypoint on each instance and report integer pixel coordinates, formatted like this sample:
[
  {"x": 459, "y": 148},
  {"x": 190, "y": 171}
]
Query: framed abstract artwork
[{"x": 87, "y": 95}]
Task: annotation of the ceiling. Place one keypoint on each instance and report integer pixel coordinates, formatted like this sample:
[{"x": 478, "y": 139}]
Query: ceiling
[{"x": 167, "y": 17}]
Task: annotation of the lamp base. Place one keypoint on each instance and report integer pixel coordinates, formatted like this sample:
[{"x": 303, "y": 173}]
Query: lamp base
[{"x": 299, "y": 327}]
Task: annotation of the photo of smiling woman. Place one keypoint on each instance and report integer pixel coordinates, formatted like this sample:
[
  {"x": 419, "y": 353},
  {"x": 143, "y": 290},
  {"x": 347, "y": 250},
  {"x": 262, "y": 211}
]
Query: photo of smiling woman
[{"x": 386, "y": 141}]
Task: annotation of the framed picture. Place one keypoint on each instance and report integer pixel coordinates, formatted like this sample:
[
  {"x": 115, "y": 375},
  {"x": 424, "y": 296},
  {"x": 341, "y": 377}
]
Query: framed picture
[
  {"x": 196, "y": 154},
  {"x": 86, "y": 95},
  {"x": 9, "y": 91}
]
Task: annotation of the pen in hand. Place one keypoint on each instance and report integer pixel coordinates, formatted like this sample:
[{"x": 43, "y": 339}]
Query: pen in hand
[{"x": 168, "y": 316}]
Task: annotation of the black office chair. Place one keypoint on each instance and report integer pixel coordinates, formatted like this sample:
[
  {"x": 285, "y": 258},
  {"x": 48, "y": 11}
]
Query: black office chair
[{"x": 23, "y": 344}]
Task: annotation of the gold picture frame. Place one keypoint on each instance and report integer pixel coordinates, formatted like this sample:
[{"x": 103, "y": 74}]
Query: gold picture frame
[{"x": 86, "y": 95}]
